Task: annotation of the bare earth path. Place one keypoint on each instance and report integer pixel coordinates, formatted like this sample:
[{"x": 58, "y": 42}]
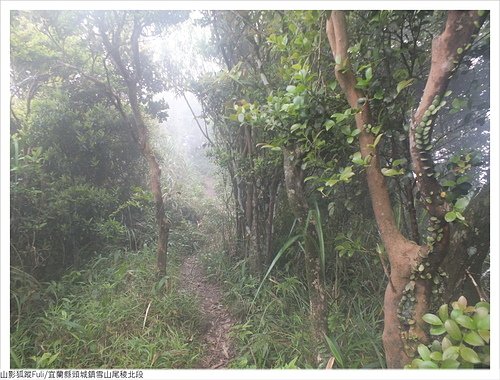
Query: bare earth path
[{"x": 216, "y": 320}]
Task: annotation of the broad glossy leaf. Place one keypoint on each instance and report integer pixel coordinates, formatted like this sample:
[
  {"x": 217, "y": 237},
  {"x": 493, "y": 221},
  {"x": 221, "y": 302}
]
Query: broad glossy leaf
[
  {"x": 443, "y": 312},
  {"x": 453, "y": 329},
  {"x": 436, "y": 356},
  {"x": 445, "y": 344},
  {"x": 451, "y": 353},
  {"x": 391, "y": 172},
  {"x": 416, "y": 362},
  {"x": 432, "y": 319},
  {"x": 428, "y": 364},
  {"x": 455, "y": 313},
  {"x": 450, "y": 216},
  {"x": 469, "y": 355},
  {"x": 461, "y": 203},
  {"x": 377, "y": 140},
  {"x": 483, "y": 322},
  {"x": 437, "y": 330},
  {"x": 450, "y": 364},
  {"x": 465, "y": 321},
  {"x": 473, "y": 339},
  {"x": 424, "y": 352},
  {"x": 485, "y": 334},
  {"x": 369, "y": 73},
  {"x": 483, "y": 304},
  {"x": 329, "y": 124}
]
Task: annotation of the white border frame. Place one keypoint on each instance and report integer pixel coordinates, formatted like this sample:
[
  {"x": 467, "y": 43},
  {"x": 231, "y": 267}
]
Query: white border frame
[{"x": 493, "y": 373}]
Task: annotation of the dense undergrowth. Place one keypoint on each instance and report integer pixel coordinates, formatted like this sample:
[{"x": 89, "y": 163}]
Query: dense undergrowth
[
  {"x": 112, "y": 314},
  {"x": 273, "y": 329}
]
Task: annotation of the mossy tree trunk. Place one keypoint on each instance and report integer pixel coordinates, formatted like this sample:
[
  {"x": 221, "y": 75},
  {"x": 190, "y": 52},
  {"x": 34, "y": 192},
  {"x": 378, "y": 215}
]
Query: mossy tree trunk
[
  {"x": 131, "y": 70},
  {"x": 413, "y": 268}
]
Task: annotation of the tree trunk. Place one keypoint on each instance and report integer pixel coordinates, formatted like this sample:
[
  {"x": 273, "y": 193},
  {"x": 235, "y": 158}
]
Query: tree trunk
[
  {"x": 401, "y": 252},
  {"x": 132, "y": 78},
  {"x": 294, "y": 182},
  {"x": 163, "y": 224},
  {"x": 412, "y": 266}
]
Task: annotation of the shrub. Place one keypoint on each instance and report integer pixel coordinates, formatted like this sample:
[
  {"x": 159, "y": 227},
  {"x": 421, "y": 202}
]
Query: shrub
[{"x": 466, "y": 340}]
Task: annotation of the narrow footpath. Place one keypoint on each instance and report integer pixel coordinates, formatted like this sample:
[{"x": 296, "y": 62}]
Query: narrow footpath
[{"x": 216, "y": 320}]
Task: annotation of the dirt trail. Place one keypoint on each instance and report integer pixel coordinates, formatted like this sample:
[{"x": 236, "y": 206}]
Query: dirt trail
[{"x": 216, "y": 320}]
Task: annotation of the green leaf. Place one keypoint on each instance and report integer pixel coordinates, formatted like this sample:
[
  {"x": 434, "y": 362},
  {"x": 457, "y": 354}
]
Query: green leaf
[
  {"x": 298, "y": 101},
  {"x": 448, "y": 183},
  {"x": 400, "y": 161},
  {"x": 450, "y": 216},
  {"x": 437, "y": 330},
  {"x": 450, "y": 353},
  {"x": 424, "y": 352},
  {"x": 473, "y": 338},
  {"x": 328, "y": 124},
  {"x": 483, "y": 304},
  {"x": 282, "y": 250},
  {"x": 436, "y": 356},
  {"x": 391, "y": 172},
  {"x": 485, "y": 335},
  {"x": 450, "y": 364},
  {"x": 432, "y": 319},
  {"x": 483, "y": 322},
  {"x": 346, "y": 174},
  {"x": 445, "y": 344},
  {"x": 294, "y": 127},
  {"x": 379, "y": 95},
  {"x": 415, "y": 363},
  {"x": 290, "y": 88},
  {"x": 455, "y": 313},
  {"x": 461, "y": 203},
  {"x": 447, "y": 93},
  {"x": 443, "y": 312},
  {"x": 377, "y": 140},
  {"x": 269, "y": 146},
  {"x": 453, "y": 329},
  {"x": 357, "y": 159},
  {"x": 335, "y": 350},
  {"x": 428, "y": 364},
  {"x": 469, "y": 355},
  {"x": 369, "y": 73},
  {"x": 331, "y": 182},
  {"x": 346, "y": 130},
  {"x": 403, "y": 84},
  {"x": 465, "y": 321}
]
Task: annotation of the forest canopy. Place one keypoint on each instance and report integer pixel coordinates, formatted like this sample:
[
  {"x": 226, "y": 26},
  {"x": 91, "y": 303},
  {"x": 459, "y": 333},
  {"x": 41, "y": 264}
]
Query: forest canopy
[{"x": 250, "y": 189}]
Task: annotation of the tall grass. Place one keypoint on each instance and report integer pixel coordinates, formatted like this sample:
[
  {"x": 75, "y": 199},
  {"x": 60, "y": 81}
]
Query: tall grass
[
  {"x": 113, "y": 314},
  {"x": 273, "y": 327}
]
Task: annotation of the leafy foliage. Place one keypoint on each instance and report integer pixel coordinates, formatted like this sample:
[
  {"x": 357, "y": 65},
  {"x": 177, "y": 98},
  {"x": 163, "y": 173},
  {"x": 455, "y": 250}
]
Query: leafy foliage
[
  {"x": 95, "y": 317},
  {"x": 464, "y": 337}
]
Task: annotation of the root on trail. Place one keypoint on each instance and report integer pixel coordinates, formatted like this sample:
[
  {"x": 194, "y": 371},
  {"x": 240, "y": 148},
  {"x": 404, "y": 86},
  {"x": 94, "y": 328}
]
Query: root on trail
[{"x": 216, "y": 319}]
